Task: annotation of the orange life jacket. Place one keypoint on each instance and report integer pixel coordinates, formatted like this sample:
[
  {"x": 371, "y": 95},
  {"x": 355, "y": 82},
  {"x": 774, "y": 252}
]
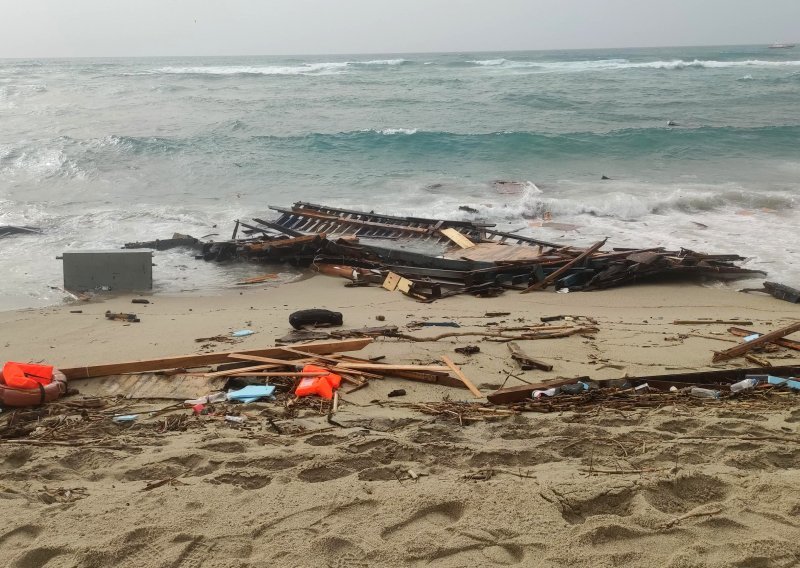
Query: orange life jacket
[
  {"x": 321, "y": 386},
  {"x": 26, "y": 375}
]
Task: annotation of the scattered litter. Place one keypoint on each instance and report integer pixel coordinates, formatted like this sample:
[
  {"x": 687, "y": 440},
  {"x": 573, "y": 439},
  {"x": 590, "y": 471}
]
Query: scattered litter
[
  {"x": 121, "y": 419},
  {"x": 242, "y": 333},
  {"x": 251, "y": 393},
  {"x": 397, "y": 392},
  {"x": 467, "y": 350}
]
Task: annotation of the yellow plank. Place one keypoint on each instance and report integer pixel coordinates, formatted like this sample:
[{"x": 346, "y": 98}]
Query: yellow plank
[
  {"x": 457, "y": 238},
  {"x": 391, "y": 281}
]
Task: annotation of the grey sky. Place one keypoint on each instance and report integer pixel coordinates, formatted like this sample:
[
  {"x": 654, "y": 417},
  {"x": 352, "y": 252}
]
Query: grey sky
[{"x": 69, "y": 28}]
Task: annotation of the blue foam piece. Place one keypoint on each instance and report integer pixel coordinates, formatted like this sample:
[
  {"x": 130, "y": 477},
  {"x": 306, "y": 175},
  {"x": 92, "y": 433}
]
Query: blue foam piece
[
  {"x": 251, "y": 393},
  {"x": 792, "y": 384}
]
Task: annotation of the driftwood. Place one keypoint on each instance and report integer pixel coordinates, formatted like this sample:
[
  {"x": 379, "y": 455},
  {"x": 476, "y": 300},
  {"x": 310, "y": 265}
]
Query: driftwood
[
  {"x": 740, "y": 350},
  {"x": 788, "y": 343},
  {"x": 526, "y": 362}
]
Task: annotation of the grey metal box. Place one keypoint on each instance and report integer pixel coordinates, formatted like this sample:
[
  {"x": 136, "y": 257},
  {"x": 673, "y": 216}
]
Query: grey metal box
[{"x": 124, "y": 270}]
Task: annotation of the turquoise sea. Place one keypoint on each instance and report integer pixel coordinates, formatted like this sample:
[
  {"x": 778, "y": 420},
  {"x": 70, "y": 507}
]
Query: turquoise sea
[{"x": 97, "y": 152}]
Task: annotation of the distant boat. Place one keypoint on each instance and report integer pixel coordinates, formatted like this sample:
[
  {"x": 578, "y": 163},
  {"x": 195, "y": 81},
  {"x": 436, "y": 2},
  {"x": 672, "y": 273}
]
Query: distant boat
[{"x": 781, "y": 46}]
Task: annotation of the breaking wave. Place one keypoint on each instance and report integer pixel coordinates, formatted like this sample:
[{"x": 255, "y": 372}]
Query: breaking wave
[
  {"x": 617, "y": 64},
  {"x": 639, "y": 202},
  {"x": 321, "y": 68}
]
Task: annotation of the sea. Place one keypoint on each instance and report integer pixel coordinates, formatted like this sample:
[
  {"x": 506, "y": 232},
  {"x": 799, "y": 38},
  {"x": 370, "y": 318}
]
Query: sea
[{"x": 700, "y": 145}]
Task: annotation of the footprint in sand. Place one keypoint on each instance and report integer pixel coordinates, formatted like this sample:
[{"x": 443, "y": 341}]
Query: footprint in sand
[{"x": 426, "y": 520}]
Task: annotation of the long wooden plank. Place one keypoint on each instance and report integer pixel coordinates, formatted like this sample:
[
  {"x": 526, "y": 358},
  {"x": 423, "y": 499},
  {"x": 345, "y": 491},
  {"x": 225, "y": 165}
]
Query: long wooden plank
[
  {"x": 381, "y": 367},
  {"x": 788, "y": 343},
  {"x": 275, "y": 374},
  {"x": 240, "y": 370},
  {"x": 550, "y": 278},
  {"x": 258, "y": 358},
  {"x": 457, "y": 238},
  {"x": 195, "y": 360},
  {"x": 740, "y": 350},
  {"x": 472, "y": 388}
]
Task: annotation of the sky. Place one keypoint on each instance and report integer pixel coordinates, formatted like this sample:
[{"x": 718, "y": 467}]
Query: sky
[{"x": 112, "y": 28}]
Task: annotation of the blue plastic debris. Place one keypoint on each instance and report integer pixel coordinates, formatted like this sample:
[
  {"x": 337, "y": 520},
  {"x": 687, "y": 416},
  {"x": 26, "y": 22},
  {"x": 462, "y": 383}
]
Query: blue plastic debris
[
  {"x": 251, "y": 393},
  {"x": 792, "y": 384},
  {"x": 122, "y": 418},
  {"x": 242, "y": 333}
]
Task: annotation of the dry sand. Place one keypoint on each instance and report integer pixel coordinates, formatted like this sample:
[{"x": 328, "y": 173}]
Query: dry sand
[{"x": 676, "y": 486}]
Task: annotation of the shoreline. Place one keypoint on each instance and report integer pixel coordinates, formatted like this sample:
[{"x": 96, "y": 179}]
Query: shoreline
[{"x": 634, "y": 315}]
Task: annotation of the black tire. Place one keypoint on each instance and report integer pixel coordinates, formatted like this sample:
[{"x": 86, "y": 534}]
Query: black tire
[{"x": 299, "y": 320}]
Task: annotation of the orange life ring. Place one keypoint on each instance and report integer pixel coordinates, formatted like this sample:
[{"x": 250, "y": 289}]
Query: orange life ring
[{"x": 55, "y": 389}]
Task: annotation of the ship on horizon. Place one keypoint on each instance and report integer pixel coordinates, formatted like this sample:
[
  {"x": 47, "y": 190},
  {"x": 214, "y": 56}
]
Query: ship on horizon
[{"x": 781, "y": 46}]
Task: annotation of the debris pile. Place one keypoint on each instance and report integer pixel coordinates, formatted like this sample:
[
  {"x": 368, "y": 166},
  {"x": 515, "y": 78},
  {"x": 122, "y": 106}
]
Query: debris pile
[{"x": 436, "y": 258}]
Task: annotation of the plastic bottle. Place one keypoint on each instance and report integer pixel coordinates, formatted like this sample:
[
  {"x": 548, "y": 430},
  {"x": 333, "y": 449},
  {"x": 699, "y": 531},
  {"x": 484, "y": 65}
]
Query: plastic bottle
[
  {"x": 746, "y": 384},
  {"x": 704, "y": 393}
]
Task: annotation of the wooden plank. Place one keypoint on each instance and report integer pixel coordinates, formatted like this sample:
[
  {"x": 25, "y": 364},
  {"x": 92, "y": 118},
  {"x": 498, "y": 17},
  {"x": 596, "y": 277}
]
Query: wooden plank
[
  {"x": 740, "y": 350},
  {"x": 149, "y": 386},
  {"x": 788, "y": 343},
  {"x": 711, "y": 322},
  {"x": 526, "y": 362},
  {"x": 523, "y": 392},
  {"x": 457, "y": 238},
  {"x": 385, "y": 367},
  {"x": 496, "y": 252},
  {"x": 564, "y": 269},
  {"x": 277, "y": 374},
  {"x": 239, "y": 370},
  {"x": 714, "y": 377},
  {"x": 391, "y": 282},
  {"x": 258, "y": 358},
  {"x": 473, "y": 389},
  {"x": 196, "y": 360}
]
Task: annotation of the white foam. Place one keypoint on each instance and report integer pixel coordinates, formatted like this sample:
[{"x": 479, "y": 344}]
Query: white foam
[
  {"x": 616, "y": 64},
  {"x": 305, "y": 69},
  {"x": 393, "y": 131},
  {"x": 381, "y": 62}
]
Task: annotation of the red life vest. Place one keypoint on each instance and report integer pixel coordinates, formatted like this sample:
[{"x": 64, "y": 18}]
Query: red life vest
[{"x": 26, "y": 375}]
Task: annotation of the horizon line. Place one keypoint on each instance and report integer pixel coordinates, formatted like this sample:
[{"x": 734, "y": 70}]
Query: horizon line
[{"x": 343, "y": 54}]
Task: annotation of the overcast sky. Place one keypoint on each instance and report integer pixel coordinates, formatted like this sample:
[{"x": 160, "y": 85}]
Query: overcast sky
[{"x": 105, "y": 28}]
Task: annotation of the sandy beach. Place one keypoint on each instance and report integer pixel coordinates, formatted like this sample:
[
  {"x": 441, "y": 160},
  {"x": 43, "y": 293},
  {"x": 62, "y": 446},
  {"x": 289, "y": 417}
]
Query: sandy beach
[{"x": 389, "y": 485}]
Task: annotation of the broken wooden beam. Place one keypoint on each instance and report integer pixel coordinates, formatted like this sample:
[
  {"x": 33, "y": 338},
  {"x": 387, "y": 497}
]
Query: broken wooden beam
[
  {"x": 196, "y": 360},
  {"x": 783, "y": 342},
  {"x": 472, "y": 388},
  {"x": 711, "y": 322},
  {"x": 550, "y": 278},
  {"x": 740, "y": 350},
  {"x": 526, "y": 362}
]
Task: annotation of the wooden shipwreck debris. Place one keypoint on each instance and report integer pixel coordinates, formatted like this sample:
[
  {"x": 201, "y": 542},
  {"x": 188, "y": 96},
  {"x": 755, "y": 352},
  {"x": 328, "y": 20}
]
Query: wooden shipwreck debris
[
  {"x": 744, "y": 348},
  {"x": 472, "y": 257},
  {"x": 195, "y": 360},
  {"x": 526, "y": 362},
  {"x": 779, "y": 291}
]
